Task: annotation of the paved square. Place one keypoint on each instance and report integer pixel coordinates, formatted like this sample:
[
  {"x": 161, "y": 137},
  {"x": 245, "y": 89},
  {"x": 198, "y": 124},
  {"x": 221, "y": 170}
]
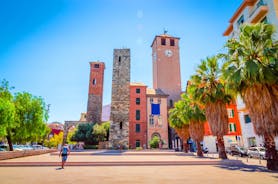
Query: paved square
[{"x": 232, "y": 173}]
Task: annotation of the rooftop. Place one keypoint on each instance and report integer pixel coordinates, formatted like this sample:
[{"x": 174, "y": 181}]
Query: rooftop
[{"x": 158, "y": 92}]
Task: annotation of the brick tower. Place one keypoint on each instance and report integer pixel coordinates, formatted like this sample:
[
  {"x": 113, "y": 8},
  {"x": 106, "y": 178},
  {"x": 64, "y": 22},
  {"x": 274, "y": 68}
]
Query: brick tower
[
  {"x": 166, "y": 66},
  {"x": 166, "y": 72},
  {"x": 94, "y": 107},
  {"x": 119, "y": 126}
]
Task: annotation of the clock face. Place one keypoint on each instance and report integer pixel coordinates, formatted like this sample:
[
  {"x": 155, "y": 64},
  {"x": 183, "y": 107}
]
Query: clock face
[{"x": 168, "y": 53}]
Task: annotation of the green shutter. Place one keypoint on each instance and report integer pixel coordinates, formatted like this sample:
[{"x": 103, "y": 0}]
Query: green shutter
[
  {"x": 230, "y": 125},
  {"x": 233, "y": 113},
  {"x": 235, "y": 127}
]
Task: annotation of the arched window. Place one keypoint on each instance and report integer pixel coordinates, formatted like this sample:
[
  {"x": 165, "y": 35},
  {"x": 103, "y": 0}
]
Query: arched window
[
  {"x": 121, "y": 125},
  {"x": 94, "y": 81}
]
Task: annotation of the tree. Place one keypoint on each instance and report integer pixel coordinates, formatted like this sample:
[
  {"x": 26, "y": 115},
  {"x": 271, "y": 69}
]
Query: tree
[
  {"x": 209, "y": 90},
  {"x": 154, "y": 142},
  {"x": 195, "y": 115},
  {"x": 7, "y": 112},
  {"x": 31, "y": 115},
  {"x": 25, "y": 111},
  {"x": 177, "y": 121},
  {"x": 251, "y": 70},
  {"x": 101, "y": 131},
  {"x": 84, "y": 134},
  {"x": 55, "y": 140}
]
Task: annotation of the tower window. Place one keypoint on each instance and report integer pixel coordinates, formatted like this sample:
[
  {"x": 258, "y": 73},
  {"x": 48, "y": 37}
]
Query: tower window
[
  {"x": 138, "y": 90},
  {"x": 137, "y": 101},
  {"x": 120, "y": 59},
  {"x": 137, "y": 114},
  {"x": 96, "y": 65},
  {"x": 94, "y": 81},
  {"x": 172, "y": 42},
  {"x": 137, "y": 128},
  {"x": 171, "y": 103},
  {"x": 121, "y": 125},
  {"x": 163, "y": 41}
]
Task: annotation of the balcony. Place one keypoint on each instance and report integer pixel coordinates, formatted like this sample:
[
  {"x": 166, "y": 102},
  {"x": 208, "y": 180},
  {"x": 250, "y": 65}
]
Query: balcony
[{"x": 260, "y": 10}]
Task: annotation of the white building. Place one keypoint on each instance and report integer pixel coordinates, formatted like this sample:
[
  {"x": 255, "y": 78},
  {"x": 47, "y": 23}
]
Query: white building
[{"x": 252, "y": 11}]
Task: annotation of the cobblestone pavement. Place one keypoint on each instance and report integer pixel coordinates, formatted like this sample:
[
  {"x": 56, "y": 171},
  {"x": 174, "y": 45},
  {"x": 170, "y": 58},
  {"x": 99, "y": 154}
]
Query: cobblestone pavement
[{"x": 238, "y": 173}]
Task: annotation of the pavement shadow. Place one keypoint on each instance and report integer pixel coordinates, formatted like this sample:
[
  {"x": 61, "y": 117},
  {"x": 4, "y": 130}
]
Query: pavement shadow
[
  {"x": 246, "y": 168},
  {"x": 110, "y": 152}
]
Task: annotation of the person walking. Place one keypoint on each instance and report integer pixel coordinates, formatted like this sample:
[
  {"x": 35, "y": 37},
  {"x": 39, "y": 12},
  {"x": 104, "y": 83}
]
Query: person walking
[{"x": 65, "y": 151}]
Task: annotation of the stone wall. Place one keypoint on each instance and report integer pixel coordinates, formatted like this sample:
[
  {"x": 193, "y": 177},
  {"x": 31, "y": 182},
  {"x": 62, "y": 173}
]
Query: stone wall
[
  {"x": 94, "y": 108},
  {"x": 119, "y": 127},
  {"x": 16, "y": 154}
]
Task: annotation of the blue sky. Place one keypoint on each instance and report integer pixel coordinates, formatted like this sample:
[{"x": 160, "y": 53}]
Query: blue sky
[{"x": 46, "y": 45}]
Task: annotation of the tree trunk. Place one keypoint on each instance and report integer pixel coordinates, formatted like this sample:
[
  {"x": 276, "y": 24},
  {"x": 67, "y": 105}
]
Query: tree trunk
[
  {"x": 185, "y": 146},
  {"x": 199, "y": 149},
  {"x": 271, "y": 153},
  {"x": 221, "y": 147},
  {"x": 9, "y": 139}
]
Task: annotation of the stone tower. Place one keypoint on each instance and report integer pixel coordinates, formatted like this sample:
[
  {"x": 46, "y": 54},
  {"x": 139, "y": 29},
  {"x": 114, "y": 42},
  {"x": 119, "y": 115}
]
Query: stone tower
[
  {"x": 166, "y": 66},
  {"x": 94, "y": 107},
  {"x": 118, "y": 135}
]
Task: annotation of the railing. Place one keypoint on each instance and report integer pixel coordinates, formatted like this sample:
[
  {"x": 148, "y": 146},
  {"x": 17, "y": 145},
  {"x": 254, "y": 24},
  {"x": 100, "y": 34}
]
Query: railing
[{"x": 258, "y": 5}]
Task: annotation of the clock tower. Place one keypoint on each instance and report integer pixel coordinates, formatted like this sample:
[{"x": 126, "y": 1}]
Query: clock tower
[{"x": 166, "y": 66}]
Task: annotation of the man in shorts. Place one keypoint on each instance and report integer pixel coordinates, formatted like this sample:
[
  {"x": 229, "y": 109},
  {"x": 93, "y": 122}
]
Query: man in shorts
[{"x": 65, "y": 151}]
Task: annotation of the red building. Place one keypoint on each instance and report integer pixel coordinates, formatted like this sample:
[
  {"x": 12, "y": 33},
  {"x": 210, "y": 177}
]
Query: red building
[{"x": 138, "y": 116}]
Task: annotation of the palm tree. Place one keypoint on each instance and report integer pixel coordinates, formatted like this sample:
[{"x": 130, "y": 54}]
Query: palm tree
[
  {"x": 196, "y": 118},
  {"x": 176, "y": 121},
  {"x": 207, "y": 89},
  {"x": 251, "y": 70}
]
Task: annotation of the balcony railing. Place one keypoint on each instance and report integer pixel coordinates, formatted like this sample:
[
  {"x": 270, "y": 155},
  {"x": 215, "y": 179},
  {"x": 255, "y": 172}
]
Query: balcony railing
[{"x": 258, "y": 5}]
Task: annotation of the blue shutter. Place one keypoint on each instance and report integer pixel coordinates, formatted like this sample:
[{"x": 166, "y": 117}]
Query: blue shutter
[{"x": 155, "y": 109}]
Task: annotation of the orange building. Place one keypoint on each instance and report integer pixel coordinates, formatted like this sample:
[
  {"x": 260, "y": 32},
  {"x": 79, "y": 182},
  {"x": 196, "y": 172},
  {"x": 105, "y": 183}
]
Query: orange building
[
  {"x": 138, "y": 116},
  {"x": 234, "y": 135}
]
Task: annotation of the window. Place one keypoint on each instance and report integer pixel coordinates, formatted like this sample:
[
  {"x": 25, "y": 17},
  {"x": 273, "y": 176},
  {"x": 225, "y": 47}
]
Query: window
[
  {"x": 159, "y": 100},
  {"x": 137, "y": 128},
  {"x": 231, "y": 113},
  {"x": 240, "y": 20},
  {"x": 151, "y": 120},
  {"x": 171, "y": 103},
  {"x": 247, "y": 118},
  {"x": 151, "y": 100},
  {"x": 172, "y": 42},
  {"x": 137, "y": 90},
  {"x": 137, "y": 143},
  {"x": 120, "y": 59},
  {"x": 137, "y": 114},
  {"x": 137, "y": 101},
  {"x": 96, "y": 65},
  {"x": 232, "y": 127},
  {"x": 94, "y": 81},
  {"x": 163, "y": 41},
  {"x": 121, "y": 125}
]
